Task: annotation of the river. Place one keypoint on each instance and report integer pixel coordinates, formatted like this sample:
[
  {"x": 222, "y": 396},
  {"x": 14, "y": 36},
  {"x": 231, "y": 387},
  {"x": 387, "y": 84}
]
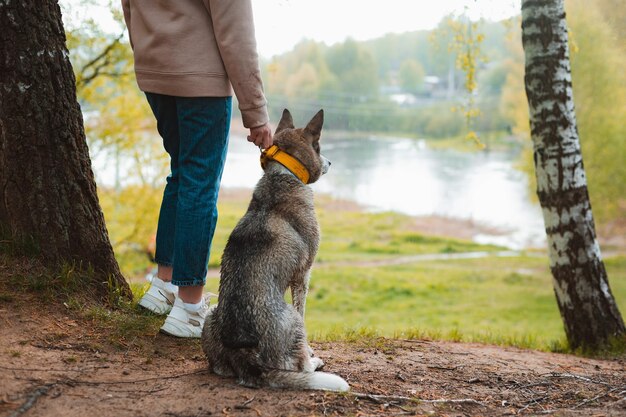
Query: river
[{"x": 406, "y": 176}]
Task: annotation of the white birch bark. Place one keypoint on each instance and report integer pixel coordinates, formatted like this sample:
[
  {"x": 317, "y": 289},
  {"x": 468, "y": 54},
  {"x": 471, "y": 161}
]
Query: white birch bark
[{"x": 587, "y": 307}]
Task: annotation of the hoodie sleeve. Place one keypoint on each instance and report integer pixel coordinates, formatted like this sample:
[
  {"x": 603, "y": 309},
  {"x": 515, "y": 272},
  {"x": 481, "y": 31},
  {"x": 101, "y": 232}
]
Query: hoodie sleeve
[
  {"x": 233, "y": 23},
  {"x": 126, "y": 9}
]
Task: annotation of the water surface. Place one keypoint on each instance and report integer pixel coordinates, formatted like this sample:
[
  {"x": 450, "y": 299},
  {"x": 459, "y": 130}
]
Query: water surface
[{"x": 404, "y": 175}]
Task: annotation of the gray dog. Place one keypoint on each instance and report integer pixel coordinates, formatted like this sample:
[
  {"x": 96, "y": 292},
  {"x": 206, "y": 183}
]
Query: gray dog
[{"x": 253, "y": 334}]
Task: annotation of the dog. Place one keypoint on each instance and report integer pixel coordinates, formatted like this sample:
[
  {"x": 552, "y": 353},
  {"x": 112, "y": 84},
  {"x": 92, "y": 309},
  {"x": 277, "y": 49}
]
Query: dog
[{"x": 253, "y": 334}]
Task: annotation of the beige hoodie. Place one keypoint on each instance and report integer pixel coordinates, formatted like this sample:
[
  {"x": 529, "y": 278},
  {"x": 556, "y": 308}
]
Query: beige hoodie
[{"x": 196, "y": 48}]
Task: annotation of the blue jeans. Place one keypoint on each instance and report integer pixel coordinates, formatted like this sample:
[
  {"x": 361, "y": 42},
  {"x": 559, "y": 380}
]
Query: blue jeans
[{"x": 195, "y": 135}]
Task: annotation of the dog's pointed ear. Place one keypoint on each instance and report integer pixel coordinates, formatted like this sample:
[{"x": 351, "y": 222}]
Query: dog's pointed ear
[
  {"x": 314, "y": 128},
  {"x": 286, "y": 122}
]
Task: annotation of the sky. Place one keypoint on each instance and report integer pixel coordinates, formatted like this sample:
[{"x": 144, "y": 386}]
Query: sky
[{"x": 281, "y": 24}]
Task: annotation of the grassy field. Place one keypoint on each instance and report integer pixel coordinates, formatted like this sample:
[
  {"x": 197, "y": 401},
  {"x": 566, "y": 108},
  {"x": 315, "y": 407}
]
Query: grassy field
[
  {"x": 502, "y": 300},
  {"x": 352, "y": 235}
]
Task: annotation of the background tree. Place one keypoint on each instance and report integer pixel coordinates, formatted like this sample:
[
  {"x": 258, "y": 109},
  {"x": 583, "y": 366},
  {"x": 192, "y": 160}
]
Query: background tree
[
  {"x": 597, "y": 59},
  {"x": 587, "y": 307},
  {"x": 600, "y": 90},
  {"x": 47, "y": 189},
  {"x": 411, "y": 75},
  {"x": 355, "y": 68}
]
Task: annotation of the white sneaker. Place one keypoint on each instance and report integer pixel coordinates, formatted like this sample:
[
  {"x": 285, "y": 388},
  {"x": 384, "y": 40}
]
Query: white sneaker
[
  {"x": 184, "y": 323},
  {"x": 159, "y": 298}
]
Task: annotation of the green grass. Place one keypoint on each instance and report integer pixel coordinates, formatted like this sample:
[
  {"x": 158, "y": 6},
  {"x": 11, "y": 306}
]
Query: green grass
[
  {"x": 49, "y": 282},
  {"x": 346, "y": 236},
  {"x": 485, "y": 299},
  {"x": 229, "y": 214},
  {"x": 125, "y": 325},
  {"x": 506, "y": 301},
  {"x": 355, "y": 236}
]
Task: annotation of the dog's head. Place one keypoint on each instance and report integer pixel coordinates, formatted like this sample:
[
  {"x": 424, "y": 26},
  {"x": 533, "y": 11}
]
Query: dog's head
[{"x": 303, "y": 143}]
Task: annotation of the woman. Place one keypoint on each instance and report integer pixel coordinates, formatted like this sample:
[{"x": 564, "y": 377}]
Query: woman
[{"x": 189, "y": 56}]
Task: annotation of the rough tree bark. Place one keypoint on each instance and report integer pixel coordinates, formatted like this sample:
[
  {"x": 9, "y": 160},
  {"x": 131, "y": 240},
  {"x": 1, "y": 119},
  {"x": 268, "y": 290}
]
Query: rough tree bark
[
  {"x": 587, "y": 306},
  {"x": 47, "y": 187}
]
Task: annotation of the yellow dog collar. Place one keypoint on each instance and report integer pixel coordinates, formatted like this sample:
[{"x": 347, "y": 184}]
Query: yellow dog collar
[{"x": 274, "y": 153}]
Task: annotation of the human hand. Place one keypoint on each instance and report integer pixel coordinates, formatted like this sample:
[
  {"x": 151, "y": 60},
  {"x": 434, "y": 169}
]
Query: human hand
[{"x": 261, "y": 136}]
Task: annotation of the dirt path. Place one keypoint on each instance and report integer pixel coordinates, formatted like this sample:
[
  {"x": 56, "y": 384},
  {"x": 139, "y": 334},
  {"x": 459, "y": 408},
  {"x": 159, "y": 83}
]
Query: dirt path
[{"x": 54, "y": 364}]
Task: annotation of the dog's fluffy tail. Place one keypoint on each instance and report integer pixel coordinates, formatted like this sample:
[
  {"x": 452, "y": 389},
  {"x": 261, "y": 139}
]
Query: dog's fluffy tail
[{"x": 306, "y": 380}]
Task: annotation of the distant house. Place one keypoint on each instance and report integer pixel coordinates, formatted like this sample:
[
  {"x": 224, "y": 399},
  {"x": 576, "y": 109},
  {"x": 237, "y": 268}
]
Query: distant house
[
  {"x": 433, "y": 89},
  {"x": 432, "y": 83}
]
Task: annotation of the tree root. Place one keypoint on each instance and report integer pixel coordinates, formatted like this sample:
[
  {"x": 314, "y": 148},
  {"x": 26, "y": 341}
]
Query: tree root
[{"x": 32, "y": 399}]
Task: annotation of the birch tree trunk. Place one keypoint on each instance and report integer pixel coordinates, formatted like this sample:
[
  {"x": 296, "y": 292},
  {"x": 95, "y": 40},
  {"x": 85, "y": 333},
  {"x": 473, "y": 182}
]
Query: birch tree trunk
[
  {"x": 587, "y": 306},
  {"x": 47, "y": 188}
]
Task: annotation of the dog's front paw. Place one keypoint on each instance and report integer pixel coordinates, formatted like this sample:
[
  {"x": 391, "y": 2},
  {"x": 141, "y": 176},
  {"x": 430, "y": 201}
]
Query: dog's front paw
[{"x": 317, "y": 363}]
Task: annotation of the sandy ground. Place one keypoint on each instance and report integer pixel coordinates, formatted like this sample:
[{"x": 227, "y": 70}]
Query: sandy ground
[{"x": 54, "y": 363}]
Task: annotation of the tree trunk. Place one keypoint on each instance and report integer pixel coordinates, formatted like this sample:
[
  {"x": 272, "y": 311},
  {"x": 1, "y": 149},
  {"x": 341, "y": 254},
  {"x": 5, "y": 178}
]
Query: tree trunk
[
  {"x": 47, "y": 189},
  {"x": 587, "y": 306}
]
